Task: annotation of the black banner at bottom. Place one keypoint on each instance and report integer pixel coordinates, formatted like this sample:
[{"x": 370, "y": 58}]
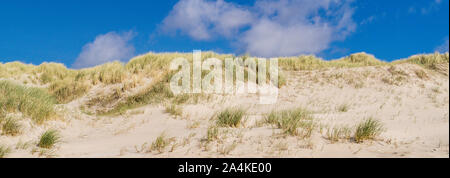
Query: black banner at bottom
[{"x": 259, "y": 167}]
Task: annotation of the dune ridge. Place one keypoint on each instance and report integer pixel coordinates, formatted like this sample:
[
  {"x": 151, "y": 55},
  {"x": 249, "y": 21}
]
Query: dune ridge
[{"x": 355, "y": 106}]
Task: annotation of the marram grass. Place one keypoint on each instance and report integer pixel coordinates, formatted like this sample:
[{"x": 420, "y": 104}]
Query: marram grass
[
  {"x": 429, "y": 61},
  {"x": 290, "y": 121},
  {"x": 48, "y": 139},
  {"x": 4, "y": 151},
  {"x": 230, "y": 117},
  {"x": 10, "y": 126},
  {"x": 160, "y": 143},
  {"x": 368, "y": 130},
  {"x": 312, "y": 62},
  {"x": 66, "y": 84},
  {"x": 32, "y": 102}
]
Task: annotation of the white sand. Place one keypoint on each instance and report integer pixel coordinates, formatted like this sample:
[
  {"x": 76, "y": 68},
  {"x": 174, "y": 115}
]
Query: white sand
[{"x": 415, "y": 114}]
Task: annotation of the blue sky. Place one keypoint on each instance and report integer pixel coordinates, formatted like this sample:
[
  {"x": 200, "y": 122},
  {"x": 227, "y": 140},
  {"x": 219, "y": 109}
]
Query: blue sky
[{"x": 82, "y": 33}]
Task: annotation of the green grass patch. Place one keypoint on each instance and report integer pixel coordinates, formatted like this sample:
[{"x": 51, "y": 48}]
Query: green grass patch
[
  {"x": 368, "y": 130},
  {"x": 48, "y": 139},
  {"x": 230, "y": 117},
  {"x": 291, "y": 120},
  {"x": 32, "y": 102}
]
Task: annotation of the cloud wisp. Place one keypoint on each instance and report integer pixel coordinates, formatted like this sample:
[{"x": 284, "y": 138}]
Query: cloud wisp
[
  {"x": 267, "y": 28},
  {"x": 432, "y": 6},
  {"x": 105, "y": 48},
  {"x": 443, "y": 48}
]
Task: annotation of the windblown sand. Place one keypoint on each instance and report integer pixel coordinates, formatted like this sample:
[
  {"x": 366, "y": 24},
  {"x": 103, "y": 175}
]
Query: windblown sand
[{"x": 414, "y": 112}]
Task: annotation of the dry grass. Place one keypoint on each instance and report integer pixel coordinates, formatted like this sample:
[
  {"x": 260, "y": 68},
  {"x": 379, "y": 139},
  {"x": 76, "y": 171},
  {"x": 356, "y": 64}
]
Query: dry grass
[
  {"x": 13, "y": 70},
  {"x": 68, "y": 84},
  {"x": 181, "y": 99},
  {"x": 394, "y": 80},
  {"x": 23, "y": 145},
  {"x": 436, "y": 90},
  {"x": 10, "y": 126},
  {"x": 338, "y": 133},
  {"x": 312, "y": 62},
  {"x": 67, "y": 90},
  {"x": 4, "y": 151},
  {"x": 421, "y": 74},
  {"x": 158, "y": 92},
  {"x": 51, "y": 72},
  {"x": 160, "y": 143},
  {"x": 212, "y": 134},
  {"x": 430, "y": 61},
  {"x": 32, "y": 102},
  {"x": 152, "y": 64},
  {"x": 174, "y": 110},
  {"x": 193, "y": 125},
  {"x": 396, "y": 71},
  {"x": 109, "y": 73},
  {"x": 343, "y": 107},
  {"x": 227, "y": 149}
]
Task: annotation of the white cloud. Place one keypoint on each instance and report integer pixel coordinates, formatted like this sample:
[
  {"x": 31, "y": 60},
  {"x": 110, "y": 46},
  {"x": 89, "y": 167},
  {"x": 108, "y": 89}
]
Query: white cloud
[
  {"x": 106, "y": 48},
  {"x": 202, "y": 19},
  {"x": 268, "y": 28},
  {"x": 443, "y": 48},
  {"x": 268, "y": 39}
]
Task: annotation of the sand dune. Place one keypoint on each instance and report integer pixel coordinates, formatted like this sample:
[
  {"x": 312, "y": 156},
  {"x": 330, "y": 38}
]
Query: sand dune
[{"x": 414, "y": 112}]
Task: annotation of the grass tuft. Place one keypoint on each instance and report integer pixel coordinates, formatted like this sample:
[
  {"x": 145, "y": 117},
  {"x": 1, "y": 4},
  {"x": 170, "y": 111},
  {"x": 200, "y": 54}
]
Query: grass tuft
[
  {"x": 343, "y": 107},
  {"x": 290, "y": 120},
  {"x": 230, "y": 117},
  {"x": 4, "y": 151},
  {"x": 338, "y": 133},
  {"x": 160, "y": 143},
  {"x": 212, "y": 134},
  {"x": 436, "y": 90},
  {"x": 368, "y": 130},
  {"x": 48, "y": 139},
  {"x": 10, "y": 127},
  {"x": 421, "y": 74},
  {"x": 174, "y": 110}
]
